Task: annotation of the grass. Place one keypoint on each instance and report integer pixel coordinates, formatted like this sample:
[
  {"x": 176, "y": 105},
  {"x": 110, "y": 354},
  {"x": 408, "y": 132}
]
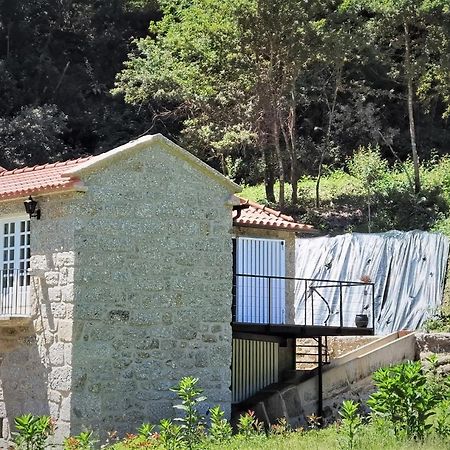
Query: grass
[{"x": 370, "y": 438}]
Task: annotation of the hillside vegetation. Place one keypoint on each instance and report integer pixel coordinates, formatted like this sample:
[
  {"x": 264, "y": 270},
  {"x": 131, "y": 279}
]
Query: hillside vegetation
[
  {"x": 266, "y": 91},
  {"x": 368, "y": 194}
]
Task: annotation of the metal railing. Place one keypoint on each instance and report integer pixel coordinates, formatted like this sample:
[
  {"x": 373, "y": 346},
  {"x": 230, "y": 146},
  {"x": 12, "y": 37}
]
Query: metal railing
[
  {"x": 302, "y": 301},
  {"x": 14, "y": 293}
]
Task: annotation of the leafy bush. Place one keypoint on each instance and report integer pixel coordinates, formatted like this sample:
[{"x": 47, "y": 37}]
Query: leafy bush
[
  {"x": 220, "y": 427},
  {"x": 32, "y": 431},
  {"x": 407, "y": 396}
]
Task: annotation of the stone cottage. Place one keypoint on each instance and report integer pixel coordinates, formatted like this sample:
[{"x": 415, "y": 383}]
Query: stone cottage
[{"x": 118, "y": 286}]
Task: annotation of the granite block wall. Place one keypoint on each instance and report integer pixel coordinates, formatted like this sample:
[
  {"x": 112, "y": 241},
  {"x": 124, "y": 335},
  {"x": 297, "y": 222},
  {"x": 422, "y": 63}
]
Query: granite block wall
[
  {"x": 35, "y": 354},
  {"x": 131, "y": 291},
  {"x": 152, "y": 291}
]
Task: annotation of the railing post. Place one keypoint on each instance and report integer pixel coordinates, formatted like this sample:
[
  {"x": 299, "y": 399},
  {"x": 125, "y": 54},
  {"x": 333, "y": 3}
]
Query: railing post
[
  {"x": 373, "y": 308},
  {"x": 341, "y": 310},
  {"x": 306, "y": 298},
  {"x": 320, "y": 380},
  {"x": 270, "y": 300}
]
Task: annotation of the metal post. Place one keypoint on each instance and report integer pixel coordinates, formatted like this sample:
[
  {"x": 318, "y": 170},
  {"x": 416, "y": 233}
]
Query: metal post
[
  {"x": 341, "y": 311},
  {"x": 306, "y": 298},
  {"x": 234, "y": 281},
  {"x": 320, "y": 381},
  {"x": 373, "y": 308}
]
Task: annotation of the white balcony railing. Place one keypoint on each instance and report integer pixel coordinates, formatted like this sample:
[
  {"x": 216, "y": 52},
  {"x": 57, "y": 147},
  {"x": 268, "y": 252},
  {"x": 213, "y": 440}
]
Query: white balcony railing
[{"x": 14, "y": 293}]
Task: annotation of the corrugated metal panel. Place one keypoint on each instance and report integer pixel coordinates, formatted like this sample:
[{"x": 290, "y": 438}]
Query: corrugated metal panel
[
  {"x": 260, "y": 257},
  {"x": 254, "y": 366}
]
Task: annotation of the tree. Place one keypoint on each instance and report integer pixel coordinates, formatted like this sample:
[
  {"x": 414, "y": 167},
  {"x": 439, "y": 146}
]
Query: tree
[
  {"x": 61, "y": 56},
  {"x": 230, "y": 70},
  {"x": 404, "y": 30}
]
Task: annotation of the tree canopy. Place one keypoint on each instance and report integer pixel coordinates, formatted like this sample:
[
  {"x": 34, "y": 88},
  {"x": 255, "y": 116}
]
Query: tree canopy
[{"x": 262, "y": 90}]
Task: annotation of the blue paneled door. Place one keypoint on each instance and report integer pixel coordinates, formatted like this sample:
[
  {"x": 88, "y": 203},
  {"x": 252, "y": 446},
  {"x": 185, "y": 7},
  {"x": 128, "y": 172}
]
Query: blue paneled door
[{"x": 259, "y": 297}]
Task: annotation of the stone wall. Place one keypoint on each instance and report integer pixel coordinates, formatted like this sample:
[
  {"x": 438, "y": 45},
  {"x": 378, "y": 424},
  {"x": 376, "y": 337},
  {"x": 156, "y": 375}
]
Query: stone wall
[
  {"x": 35, "y": 355},
  {"x": 153, "y": 291}
]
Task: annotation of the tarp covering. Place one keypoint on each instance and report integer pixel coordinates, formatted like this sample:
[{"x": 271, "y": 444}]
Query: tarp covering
[{"x": 408, "y": 269}]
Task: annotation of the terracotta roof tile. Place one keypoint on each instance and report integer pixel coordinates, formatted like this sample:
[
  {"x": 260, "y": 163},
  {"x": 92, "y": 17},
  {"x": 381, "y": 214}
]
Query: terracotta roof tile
[
  {"x": 260, "y": 216},
  {"x": 37, "y": 179}
]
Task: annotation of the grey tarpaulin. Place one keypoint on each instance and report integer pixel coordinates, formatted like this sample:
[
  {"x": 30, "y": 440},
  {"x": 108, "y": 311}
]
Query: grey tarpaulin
[{"x": 408, "y": 269}]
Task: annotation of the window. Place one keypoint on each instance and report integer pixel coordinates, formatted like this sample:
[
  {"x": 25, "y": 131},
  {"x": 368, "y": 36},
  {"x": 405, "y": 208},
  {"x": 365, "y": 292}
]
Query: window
[{"x": 14, "y": 265}]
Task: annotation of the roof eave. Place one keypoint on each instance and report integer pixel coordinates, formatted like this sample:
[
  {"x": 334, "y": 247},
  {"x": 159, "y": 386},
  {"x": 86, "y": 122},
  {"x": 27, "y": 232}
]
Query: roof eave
[
  {"x": 139, "y": 144},
  {"x": 278, "y": 228},
  {"x": 77, "y": 186}
]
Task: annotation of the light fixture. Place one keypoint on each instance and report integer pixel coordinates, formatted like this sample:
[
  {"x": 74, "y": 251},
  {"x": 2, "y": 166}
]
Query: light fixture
[{"x": 31, "y": 208}]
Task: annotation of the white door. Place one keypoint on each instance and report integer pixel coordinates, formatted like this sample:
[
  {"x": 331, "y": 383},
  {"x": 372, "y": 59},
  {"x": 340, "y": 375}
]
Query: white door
[
  {"x": 260, "y": 298},
  {"x": 15, "y": 256}
]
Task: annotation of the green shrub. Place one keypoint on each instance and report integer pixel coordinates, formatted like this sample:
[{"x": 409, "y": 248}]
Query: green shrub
[
  {"x": 192, "y": 422},
  {"x": 32, "y": 431},
  {"x": 248, "y": 425},
  {"x": 406, "y": 397},
  {"x": 220, "y": 429},
  {"x": 351, "y": 423},
  {"x": 171, "y": 435},
  {"x": 83, "y": 441}
]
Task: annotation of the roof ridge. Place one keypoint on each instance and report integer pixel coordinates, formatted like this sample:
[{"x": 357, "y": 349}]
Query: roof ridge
[
  {"x": 37, "y": 167},
  {"x": 265, "y": 208}
]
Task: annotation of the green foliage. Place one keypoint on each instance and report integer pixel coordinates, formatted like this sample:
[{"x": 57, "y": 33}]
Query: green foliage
[
  {"x": 220, "y": 429},
  {"x": 32, "y": 432},
  {"x": 248, "y": 425},
  {"x": 192, "y": 422},
  {"x": 407, "y": 396},
  {"x": 146, "y": 430},
  {"x": 412, "y": 400},
  {"x": 393, "y": 203},
  {"x": 442, "y": 419},
  {"x": 280, "y": 428},
  {"x": 171, "y": 435},
  {"x": 437, "y": 323},
  {"x": 83, "y": 441},
  {"x": 368, "y": 167},
  {"x": 350, "y": 424},
  {"x": 57, "y": 64}
]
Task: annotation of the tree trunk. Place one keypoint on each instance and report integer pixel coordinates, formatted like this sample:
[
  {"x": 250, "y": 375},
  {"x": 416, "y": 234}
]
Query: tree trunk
[
  {"x": 276, "y": 142},
  {"x": 331, "y": 111},
  {"x": 269, "y": 182},
  {"x": 294, "y": 182},
  {"x": 290, "y": 143},
  {"x": 319, "y": 176},
  {"x": 410, "y": 95},
  {"x": 293, "y": 146}
]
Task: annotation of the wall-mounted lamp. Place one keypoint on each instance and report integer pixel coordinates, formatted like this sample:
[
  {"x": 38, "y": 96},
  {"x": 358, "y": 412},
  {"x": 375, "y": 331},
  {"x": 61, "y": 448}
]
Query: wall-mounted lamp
[{"x": 31, "y": 208}]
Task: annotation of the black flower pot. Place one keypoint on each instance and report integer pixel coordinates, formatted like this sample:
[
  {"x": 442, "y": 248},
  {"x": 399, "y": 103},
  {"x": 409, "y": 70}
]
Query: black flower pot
[{"x": 361, "y": 320}]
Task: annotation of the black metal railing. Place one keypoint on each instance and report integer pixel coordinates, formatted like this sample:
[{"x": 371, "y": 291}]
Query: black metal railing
[
  {"x": 303, "y": 301},
  {"x": 14, "y": 293}
]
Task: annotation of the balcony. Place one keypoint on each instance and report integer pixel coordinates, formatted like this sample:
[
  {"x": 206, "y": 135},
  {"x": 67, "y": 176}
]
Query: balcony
[
  {"x": 288, "y": 307},
  {"x": 15, "y": 305}
]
